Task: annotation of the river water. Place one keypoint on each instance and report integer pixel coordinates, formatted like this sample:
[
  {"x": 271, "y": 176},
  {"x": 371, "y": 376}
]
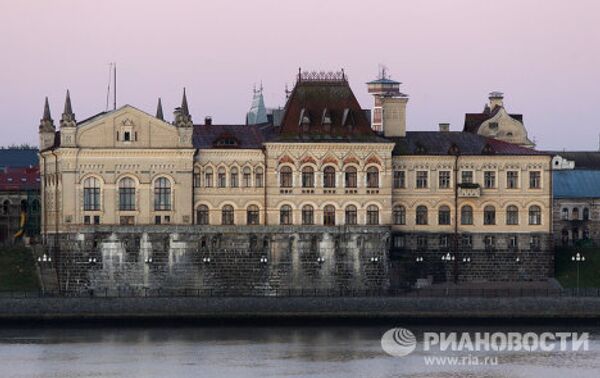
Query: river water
[{"x": 264, "y": 351}]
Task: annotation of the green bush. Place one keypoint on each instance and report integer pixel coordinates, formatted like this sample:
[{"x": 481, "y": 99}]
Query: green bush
[
  {"x": 566, "y": 268},
  {"x": 17, "y": 269}
]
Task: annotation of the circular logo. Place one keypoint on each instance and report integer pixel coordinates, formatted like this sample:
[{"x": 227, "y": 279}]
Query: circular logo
[{"x": 398, "y": 342}]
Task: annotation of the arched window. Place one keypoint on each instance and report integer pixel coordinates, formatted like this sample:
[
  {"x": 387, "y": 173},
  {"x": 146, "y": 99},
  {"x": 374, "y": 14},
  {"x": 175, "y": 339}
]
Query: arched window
[
  {"x": 208, "y": 177},
  {"x": 489, "y": 215},
  {"x": 258, "y": 179},
  {"x": 421, "y": 215},
  {"x": 233, "y": 180},
  {"x": 227, "y": 215},
  {"x": 126, "y": 194},
  {"x": 285, "y": 215},
  {"x": 221, "y": 178},
  {"x": 91, "y": 194},
  {"x": 6, "y": 207},
  {"x": 535, "y": 215},
  {"x": 372, "y": 215},
  {"x": 351, "y": 179},
  {"x": 308, "y": 177},
  {"x": 247, "y": 177},
  {"x": 307, "y": 215},
  {"x": 575, "y": 213},
  {"x": 512, "y": 215},
  {"x": 24, "y": 205},
  {"x": 586, "y": 214},
  {"x": 466, "y": 215},
  {"x": 564, "y": 215},
  {"x": 202, "y": 215},
  {"x": 329, "y": 215},
  {"x": 329, "y": 177},
  {"x": 252, "y": 215},
  {"x": 162, "y": 194},
  {"x": 372, "y": 177},
  {"x": 351, "y": 215},
  {"x": 285, "y": 177},
  {"x": 444, "y": 215},
  {"x": 196, "y": 178},
  {"x": 399, "y": 214}
]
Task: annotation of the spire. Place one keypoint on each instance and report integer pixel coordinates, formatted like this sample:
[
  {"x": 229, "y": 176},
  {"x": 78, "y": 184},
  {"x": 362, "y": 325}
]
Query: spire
[
  {"x": 159, "y": 111},
  {"x": 184, "y": 105},
  {"x": 257, "y": 113},
  {"x": 182, "y": 114},
  {"x": 68, "y": 117},
  {"x": 47, "y": 123}
]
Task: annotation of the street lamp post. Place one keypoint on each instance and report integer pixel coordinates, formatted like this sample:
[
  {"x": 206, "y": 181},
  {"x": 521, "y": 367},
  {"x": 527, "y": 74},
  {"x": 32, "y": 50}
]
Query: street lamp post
[
  {"x": 578, "y": 258},
  {"x": 447, "y": 258}
]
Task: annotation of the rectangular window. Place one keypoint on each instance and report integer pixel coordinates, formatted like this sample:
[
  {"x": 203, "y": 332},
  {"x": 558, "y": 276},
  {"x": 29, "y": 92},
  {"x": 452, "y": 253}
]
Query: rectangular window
[
  {"x": 126, "y": 136},
  {"x": 127, "y": 220},
  {"x": 444, "y": 242},
  {"x": 167, "y": 219},
  {"x": 466, "y": 177},
  {"x": 535, "y": 243},
  {"x": 157, "y": 219},
  {"x": 490, "y": 242},
  {"x": 513, "y": 242},
  {"x": 86, "y": 219},
  {"x": 399, "y": 179},
  {"x": 126, "y": 199},
  {"x": 96, "y": 219},
  {"x": 246, "y": 179},
  {"x": 422, "y": 179},
  {"x": 535, "y": 180},
  {"x": 421, "y": 243},
  {"x": 489, "y": 179},
  {"x": 91, "y": 199},
  {"x": 398, "y": 241},
  {"x": 259, "y": 179},
  {"x": 444, "y": 179},
  {"x": 208, "y": 179},
  {"x": 467, "y": 242},
  {"x": 221, "y": 180},
  {"x": 512, "y": 179},
  {"x": 196, "y": 180}
]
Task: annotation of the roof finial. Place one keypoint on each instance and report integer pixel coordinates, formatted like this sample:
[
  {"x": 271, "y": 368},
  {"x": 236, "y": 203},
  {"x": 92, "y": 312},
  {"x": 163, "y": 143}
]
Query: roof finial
[
  {"x": 68, "y": 117},
  {"x": 159, "y": 110},
  {"x": 46, "y": 123},
  {"x": 184, "y": 104},
  {"x": 47, "y": 116}
]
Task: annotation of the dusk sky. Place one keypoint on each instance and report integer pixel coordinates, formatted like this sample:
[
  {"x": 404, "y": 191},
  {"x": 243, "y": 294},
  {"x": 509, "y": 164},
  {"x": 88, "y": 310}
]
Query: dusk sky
[{"x": 544, "y": 55}]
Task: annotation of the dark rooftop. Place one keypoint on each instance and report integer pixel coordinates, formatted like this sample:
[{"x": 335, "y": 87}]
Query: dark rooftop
[
  {"x": 441, "y": 143},
  {"x": 576, "y": 183},
  {"x": 474, "y": 120},
  {"x": 582, "y": 159},
  {"x": 18, "y": 157}
]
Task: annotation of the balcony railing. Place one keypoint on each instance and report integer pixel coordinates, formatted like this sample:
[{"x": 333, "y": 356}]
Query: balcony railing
[{"x": 469, "y": 190}]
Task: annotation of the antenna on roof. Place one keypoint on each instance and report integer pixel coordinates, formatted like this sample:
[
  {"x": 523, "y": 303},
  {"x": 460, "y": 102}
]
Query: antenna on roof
[
  {"x": 112, "y": 77},
  {"x": 382, "y": 72}
]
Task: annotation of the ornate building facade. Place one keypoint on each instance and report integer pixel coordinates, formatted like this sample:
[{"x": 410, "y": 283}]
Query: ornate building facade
[{"x": 322, "y": 186}]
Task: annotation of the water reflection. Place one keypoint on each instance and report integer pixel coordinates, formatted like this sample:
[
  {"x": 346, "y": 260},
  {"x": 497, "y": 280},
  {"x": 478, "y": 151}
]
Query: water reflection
[{"x": 301, "y": 351}]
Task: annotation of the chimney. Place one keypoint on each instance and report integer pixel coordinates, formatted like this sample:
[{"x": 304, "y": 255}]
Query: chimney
[
  {"x": 496, "y": 99},
  {"x": 444, "y": 127},
  {"x": 208, "y": 120},
  {"x": 394, "y": 116}
]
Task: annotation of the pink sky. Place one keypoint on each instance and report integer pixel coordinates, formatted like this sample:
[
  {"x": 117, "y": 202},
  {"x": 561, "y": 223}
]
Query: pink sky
[{"x": 544, "y": 55}]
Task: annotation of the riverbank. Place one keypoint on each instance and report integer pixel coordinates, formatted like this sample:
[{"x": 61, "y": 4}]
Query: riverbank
[{"x": 232, "y": 308}]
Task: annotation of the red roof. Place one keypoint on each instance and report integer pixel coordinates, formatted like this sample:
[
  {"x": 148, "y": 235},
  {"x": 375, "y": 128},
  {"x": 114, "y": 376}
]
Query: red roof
[{"x": 18, "y": 179}]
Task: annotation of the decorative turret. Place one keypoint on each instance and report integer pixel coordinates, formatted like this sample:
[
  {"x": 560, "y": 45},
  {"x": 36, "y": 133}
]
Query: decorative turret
[
  {"x": 258, "y": 113},
  {"x": 389, "y": 110},
  {"x": 47, "y": 130},
  {"x": 182, "y": 114},
  {"x": 159, "y": 111},
  {"x": 68, "y": 117},
  {"x": 68, "y": 125}
]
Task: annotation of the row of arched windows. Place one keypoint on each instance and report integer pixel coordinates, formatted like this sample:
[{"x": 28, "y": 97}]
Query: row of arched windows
[
  {"x": 329, "y": 177},
  {"x": 286, "y": 215},
  {"x": 127, "y": 194},
  {"x": 466, "y": 215}
]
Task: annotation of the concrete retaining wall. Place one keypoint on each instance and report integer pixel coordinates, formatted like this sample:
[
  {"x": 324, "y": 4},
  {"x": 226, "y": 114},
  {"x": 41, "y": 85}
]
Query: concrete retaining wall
[{"x": 297, "y": 307}]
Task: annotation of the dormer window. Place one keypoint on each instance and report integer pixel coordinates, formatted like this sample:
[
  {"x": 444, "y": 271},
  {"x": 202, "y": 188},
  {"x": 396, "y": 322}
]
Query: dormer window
[
  {"x": 226, "y": 141},
  {"x": 127, "y": 136}
]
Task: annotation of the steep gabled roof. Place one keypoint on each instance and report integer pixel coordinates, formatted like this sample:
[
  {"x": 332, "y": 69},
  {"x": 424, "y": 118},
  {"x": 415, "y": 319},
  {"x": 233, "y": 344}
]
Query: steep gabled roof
[
  {"x": 246, "y": 136},
  {"x": 303, "y": 117}
]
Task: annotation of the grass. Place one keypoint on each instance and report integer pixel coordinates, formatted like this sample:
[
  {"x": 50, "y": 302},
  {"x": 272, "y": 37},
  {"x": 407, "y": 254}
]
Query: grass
[
  {"x": 566, "y": 269},
  {"x": 17, "y": 269}
]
